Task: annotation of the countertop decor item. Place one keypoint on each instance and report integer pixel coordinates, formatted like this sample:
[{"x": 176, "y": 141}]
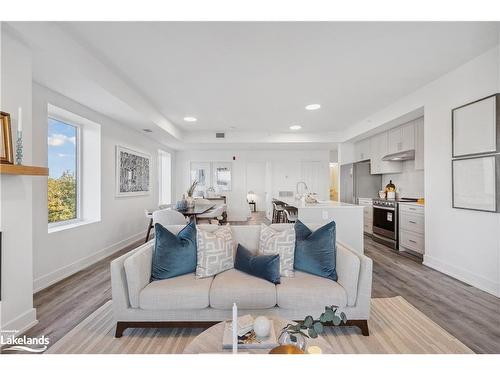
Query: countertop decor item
[
  {"x": 262, "y": 326},
  {"x": 19, "y": 140},
  {"x": 286, "y": 349},
  {"x": 295, "y": 334},
  {"x": 6, "y": 154}
]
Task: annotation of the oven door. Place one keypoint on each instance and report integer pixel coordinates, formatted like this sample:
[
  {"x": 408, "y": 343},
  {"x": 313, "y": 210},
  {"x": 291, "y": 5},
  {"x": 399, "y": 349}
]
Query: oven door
[{"x": 384, "y": 222}]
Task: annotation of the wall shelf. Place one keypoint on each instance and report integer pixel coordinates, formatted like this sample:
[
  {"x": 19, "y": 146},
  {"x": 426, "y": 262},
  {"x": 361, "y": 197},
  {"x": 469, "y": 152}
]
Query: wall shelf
[{"x": 26, "y": 170}]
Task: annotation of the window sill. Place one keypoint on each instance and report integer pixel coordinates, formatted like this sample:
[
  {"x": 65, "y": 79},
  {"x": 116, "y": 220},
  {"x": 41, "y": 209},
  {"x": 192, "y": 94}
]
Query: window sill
[{"x": 74, "y": 224}]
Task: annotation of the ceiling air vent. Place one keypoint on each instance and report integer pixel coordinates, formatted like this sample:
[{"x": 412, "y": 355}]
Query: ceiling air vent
[{"x": 220, "y": 135}]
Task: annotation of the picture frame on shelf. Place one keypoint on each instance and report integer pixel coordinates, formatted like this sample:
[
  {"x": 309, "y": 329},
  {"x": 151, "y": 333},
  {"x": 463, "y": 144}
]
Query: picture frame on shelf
[
  {"x": 133, "y": 172},
  {"x": 6, "y": 149},
  {"x": 476, "y": 127},
  {"x": 475, "y": 183}
]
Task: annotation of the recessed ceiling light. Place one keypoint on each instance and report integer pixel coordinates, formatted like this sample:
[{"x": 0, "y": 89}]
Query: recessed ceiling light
[
  {"x": 313, "y": 107},
  {"x": 295, "y": 127},
  {"x": 190, "y": 119}
]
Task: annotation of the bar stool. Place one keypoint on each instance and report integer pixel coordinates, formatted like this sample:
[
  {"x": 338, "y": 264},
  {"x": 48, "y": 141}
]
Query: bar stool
[
  {"x": 291, "y": 214},
  {"x": 278, "y": 211}
]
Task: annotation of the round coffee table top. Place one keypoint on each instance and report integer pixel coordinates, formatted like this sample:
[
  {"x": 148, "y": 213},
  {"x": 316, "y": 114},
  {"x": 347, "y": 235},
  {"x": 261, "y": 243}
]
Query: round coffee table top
[{"x": 210, "y": 340}]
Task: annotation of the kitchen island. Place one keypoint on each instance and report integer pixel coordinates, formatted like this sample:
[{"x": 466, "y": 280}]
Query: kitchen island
[{"x": 348, "y": 219}]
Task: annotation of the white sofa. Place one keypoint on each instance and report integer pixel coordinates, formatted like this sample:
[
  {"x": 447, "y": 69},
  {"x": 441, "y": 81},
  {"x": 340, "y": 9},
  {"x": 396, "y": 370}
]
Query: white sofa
[{"x": 187, "y": 301}]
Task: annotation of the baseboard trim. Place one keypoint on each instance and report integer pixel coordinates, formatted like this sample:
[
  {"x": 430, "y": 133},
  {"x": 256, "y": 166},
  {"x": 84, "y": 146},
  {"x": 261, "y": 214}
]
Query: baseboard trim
[
  {"x": 459, "y": 273},
  {"x": 22, "y": 322},
  {"x": 45, "y": 281}
]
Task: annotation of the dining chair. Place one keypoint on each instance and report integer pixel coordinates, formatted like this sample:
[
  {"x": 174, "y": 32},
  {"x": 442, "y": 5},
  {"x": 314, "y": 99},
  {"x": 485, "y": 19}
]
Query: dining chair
[{"x": 168, "y": 217}]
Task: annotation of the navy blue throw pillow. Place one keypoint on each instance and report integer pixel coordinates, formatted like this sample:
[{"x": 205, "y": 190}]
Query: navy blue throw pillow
[
  {"x": 316, "y": 252},
  {"x": 174, "y": 255},
  {"x": 264, "y": 266}
]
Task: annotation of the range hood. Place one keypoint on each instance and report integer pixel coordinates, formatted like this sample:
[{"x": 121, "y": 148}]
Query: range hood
[{"x": 400, "y": 156}]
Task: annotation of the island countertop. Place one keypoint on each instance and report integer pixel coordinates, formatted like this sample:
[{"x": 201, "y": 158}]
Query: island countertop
[{"x": 321, "y": 204}]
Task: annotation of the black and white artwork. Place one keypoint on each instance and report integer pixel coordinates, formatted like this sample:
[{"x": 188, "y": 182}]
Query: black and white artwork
[{"x": 132, "y": 172}]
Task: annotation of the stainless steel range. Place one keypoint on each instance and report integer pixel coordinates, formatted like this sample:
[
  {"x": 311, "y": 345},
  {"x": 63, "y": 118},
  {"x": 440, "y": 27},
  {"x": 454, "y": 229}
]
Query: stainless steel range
[{"x": 385, "y": 222}]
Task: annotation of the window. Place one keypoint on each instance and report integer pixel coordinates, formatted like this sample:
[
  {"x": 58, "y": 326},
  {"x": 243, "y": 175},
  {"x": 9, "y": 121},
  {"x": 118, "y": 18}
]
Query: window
[
  {"x": 64, "y": 174},
  {"x": 165, "y": 177},
  {"x": 74, "y": 160}
]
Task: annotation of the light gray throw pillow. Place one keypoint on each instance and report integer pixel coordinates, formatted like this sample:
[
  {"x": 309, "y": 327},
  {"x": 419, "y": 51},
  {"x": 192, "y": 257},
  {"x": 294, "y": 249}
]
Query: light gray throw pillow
[
  {"x": 214, "y": 251},
  {"x": 280, "y": 242}
]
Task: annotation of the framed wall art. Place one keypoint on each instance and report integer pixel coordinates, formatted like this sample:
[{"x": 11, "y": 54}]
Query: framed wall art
[
  {"x": 6, "y": 150},
  {"x": 133, "y": 172},
  {"x": 476, "y": 127},
  {"x": 475, "y": 183}
]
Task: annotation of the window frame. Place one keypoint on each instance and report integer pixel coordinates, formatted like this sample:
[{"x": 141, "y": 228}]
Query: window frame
[
  {"x": 160, "y": 176},
  {"x": 78, "y": 174}
]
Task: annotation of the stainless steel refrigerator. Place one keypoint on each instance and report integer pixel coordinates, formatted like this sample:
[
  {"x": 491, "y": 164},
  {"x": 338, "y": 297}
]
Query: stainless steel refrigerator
[{"x": 356, "y": 181}]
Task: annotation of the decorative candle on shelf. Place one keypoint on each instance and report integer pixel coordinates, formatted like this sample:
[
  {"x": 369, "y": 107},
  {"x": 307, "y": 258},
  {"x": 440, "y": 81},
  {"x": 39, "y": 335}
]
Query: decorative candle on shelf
[
  {"x": 19, "y": 140},
  {"x": 235, "y": 328}
]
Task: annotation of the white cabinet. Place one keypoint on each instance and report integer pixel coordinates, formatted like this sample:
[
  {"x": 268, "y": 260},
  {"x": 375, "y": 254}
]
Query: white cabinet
[
  {"x": 379, "y": 149},
  {"x": 367, "y": 214},
  {"x": 362, "y": 150},
  {"x": 419, "y": 144},
  {"x": 401, "y": 138},
  {"x": 411, "y": 227}
]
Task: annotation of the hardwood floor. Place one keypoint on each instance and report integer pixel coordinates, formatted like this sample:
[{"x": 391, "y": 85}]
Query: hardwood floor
[{"x": 469, "y": 314}]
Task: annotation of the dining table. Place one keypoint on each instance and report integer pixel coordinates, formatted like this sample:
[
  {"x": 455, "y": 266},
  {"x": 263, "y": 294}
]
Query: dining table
[{"x": 191, "y": 212}]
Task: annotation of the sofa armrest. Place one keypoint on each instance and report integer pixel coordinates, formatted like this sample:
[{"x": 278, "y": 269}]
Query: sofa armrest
[
  {"x": 119, "y": 284},
  {"x": 348, "y": 265},
  {"x": 138, "y": 272}
]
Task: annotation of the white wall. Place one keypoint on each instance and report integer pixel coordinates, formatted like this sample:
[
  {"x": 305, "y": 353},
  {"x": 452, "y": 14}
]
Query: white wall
[
  {"x": 462, "y": 243},
  {"x": 409, "y": 183},
  {"x": 59, "y": 254},
  {"x": 16, "y": 191},
  {"x": 286, "y": 171}
]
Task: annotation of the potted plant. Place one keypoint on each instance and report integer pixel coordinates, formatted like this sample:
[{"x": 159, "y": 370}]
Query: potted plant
[{"x": 295, "y": 334}]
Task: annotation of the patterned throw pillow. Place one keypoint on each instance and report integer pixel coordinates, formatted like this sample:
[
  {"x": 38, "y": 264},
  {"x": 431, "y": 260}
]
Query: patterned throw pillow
[
  {"x": 215, "y": 251},
  {"x": 279, "y": 242}
]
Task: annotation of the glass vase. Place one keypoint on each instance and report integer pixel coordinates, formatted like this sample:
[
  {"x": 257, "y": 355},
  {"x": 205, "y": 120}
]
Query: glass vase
[{"x": 287, "y": 338}]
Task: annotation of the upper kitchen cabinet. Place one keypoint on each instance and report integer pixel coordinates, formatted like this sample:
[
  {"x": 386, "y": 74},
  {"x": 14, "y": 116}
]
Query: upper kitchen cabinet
[
  {"x": 419, "y": 144},
  {"x": 362, "y": 150},
  {"x": 379, "y": 148},
  {"x": 401, "y": 138}
]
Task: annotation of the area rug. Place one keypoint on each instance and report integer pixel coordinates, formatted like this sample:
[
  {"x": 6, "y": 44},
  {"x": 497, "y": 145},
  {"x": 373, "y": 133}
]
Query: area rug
[{"x": 395, "y": 325}]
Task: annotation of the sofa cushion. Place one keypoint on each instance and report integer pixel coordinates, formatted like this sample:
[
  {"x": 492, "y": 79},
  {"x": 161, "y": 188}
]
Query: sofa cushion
[
  {"x": 281, "y": 242},
  {"x": 174, "y": 254},
  {"x": 181, "y": 292},
  {"x": 215, "y": 251},
  {"x": 315, "y": 252},
  {"x": 307, "y": 291},
  {"x": 266, "y": 267},
  {"x": 249, "y": 292}
]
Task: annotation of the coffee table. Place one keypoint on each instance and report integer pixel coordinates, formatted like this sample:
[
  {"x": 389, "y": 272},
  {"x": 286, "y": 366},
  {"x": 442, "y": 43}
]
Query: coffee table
[{"x": 210, "y": 340}]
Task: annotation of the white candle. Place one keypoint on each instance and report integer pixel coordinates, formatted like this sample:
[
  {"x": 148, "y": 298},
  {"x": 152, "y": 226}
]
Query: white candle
[
  {"x": 19, "y": 119},
  {"x": 235, "y": 328},
  {"x": 314, "y": 350}
]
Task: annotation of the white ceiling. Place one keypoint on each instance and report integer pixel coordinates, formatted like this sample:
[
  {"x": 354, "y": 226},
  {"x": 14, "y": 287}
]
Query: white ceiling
[
  {"x": 258, "y": 76},
  {"x": 253, "y": 76}
]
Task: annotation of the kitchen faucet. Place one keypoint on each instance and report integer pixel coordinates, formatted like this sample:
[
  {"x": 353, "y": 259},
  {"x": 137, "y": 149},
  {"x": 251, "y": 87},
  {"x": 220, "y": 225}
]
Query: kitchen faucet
[{"x": 299, "y": 195}]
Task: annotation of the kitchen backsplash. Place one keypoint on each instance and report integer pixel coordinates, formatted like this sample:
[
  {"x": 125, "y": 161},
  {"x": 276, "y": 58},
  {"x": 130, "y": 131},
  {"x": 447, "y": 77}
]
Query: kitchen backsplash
[{"x": 409, "y": 183}]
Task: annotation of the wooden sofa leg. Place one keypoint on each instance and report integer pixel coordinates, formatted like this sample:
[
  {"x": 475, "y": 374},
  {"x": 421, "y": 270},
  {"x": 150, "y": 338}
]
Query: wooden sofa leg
[
  {"x": 361, "y": 324},
  {"x": 120, "y": 327}
]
